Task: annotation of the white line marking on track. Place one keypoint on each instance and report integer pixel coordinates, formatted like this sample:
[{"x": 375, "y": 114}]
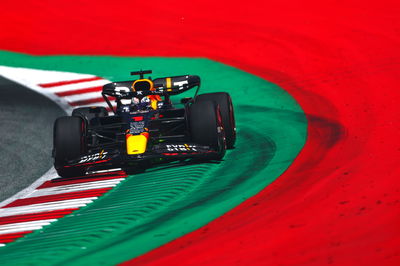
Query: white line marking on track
[
  {"x": 74, "y": 187},
  {"x": 48, "y": 206},
  {"x": 27, "y": 228},
  {"x": 5, "y": 229}
]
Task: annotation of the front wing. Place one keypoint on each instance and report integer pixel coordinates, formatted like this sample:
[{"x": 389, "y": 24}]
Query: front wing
[{"x": 117, "y": 158}]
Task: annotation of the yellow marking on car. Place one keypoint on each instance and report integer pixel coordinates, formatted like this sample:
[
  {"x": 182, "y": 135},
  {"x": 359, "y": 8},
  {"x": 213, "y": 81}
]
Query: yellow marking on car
[
  {"x": 136, "y": 144},
  {"x": 169, "y": 83}
]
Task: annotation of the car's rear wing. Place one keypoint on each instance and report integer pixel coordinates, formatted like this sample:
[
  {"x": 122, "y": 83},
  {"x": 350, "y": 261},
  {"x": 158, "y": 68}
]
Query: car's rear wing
[
  {"x": 165, "y": 86},
  {"x": 160, "y": 86}
]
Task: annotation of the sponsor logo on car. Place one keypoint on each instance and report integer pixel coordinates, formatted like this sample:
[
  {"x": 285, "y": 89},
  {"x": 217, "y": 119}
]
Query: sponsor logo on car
[
  {"x": 137, "y": 127},
  {"x": 181, "y": 83},
  {"x": 181, "y": 147},
  {"x": 94, "y": 157}
]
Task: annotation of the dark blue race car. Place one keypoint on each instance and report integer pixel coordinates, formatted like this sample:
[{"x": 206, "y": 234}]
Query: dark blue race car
[{"x": 145, "y": 127}]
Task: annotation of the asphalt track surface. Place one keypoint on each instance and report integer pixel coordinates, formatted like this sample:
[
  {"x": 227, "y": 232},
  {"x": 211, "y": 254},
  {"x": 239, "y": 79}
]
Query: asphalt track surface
[
  {"x": 339, "y": 202},
  {"x": 26, "y": 136}
]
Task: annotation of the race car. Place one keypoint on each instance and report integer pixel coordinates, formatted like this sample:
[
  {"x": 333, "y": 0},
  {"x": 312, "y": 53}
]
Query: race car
[{"x": 145, "y": 127}]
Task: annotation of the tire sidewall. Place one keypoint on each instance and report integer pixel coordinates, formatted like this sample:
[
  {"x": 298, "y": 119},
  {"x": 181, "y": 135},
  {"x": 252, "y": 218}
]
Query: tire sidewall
[{"x": 224, "y": 100}]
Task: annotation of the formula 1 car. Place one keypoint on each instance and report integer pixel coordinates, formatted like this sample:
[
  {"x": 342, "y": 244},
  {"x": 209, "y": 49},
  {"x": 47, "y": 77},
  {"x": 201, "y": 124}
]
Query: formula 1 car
[{"x": 144, "y": 127}]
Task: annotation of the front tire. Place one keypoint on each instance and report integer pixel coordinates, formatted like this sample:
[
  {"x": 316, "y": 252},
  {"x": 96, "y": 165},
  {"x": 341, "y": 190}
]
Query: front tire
[
  {"x": 224, "y": 101},
  {"x": 69, "y": 143},
  {"x": 206, "y": 127}
]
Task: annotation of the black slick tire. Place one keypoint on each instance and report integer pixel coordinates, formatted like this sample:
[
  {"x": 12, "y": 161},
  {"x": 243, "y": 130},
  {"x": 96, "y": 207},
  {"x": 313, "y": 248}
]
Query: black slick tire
[
  {"x": 69, "y": 143},
  {"x": 224, "y": 101},
  {"x": 206, "y": 127}
]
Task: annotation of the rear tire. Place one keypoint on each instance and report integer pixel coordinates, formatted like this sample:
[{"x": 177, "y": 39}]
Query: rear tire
[
  {"x": 206, "y": 127},
  {"x": 228, "y": 118},
  {"x": 69, "y": 143}
]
